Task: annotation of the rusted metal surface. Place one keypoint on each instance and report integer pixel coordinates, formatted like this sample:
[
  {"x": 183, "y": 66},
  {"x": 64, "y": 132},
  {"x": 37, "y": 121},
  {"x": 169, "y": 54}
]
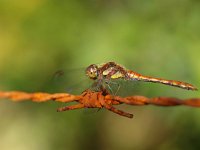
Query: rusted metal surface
[{"x": 91, "y": 99}]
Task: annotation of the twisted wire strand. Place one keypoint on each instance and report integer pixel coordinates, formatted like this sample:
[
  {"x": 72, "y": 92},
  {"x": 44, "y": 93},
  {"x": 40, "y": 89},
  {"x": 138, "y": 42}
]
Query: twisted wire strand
[
  {"x": 130, "y": 100},
  {"x": 37, "y": 97}
]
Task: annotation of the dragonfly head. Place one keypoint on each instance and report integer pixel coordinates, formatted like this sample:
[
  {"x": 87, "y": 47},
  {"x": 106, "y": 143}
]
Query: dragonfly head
[{"x": 92, "y": 71}]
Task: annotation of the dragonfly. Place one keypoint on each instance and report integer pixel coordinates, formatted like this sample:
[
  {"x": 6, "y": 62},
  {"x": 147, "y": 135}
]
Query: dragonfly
[{"x": 103, "y": 74}]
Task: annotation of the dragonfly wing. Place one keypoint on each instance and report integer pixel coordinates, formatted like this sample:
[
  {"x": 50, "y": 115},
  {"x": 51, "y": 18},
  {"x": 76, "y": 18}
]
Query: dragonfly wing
[{"x": 72, "y": 81}]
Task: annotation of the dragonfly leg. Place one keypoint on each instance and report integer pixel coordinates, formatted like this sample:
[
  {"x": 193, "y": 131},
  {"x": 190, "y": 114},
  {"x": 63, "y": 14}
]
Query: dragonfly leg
[
  {"x": 108, "y": 82},
  {"x": 77, "y": 106},
  {"x": 118, "y": 87},
  {"x": 110, "y": 89}
]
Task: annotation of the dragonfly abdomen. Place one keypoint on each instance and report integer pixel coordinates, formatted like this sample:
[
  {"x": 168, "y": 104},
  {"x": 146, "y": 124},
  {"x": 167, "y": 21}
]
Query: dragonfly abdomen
[{"x": 136, "y": 76}]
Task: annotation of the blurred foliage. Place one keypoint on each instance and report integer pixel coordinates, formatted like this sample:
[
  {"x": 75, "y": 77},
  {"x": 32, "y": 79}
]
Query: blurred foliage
[{"x": 157, "y": 38}]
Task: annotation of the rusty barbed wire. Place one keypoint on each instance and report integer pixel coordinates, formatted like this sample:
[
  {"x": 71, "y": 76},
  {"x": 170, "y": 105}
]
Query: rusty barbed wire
[{"x": 91, "y": 99}]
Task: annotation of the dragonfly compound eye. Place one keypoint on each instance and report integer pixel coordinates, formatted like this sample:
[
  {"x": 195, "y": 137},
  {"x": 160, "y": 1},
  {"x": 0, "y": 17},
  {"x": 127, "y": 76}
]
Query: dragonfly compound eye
[{"x": 91, "y": 71}]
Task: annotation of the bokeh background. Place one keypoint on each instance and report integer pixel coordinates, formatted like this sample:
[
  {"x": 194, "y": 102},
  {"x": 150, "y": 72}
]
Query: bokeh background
[{"x": 157, "y": 38}]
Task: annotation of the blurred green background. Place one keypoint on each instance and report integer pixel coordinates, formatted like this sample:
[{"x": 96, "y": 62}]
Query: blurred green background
[{"x": 157, "y": 38}]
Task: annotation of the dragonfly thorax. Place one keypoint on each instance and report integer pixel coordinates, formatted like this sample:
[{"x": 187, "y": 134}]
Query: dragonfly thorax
[
  {"x": 105, "y": 71},
  {"x": 113, "y": 73}
]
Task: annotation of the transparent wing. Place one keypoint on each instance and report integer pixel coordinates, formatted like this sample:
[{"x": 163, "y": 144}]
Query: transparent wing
[
  {"x": 122, "y": 87},
  {"x": 134, "y": 87},
  {"x": 72, "y": 81}
]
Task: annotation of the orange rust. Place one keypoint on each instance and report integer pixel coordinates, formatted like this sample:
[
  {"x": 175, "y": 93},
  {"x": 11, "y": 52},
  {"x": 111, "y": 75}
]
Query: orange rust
[{"x": 91, "y": 99}]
